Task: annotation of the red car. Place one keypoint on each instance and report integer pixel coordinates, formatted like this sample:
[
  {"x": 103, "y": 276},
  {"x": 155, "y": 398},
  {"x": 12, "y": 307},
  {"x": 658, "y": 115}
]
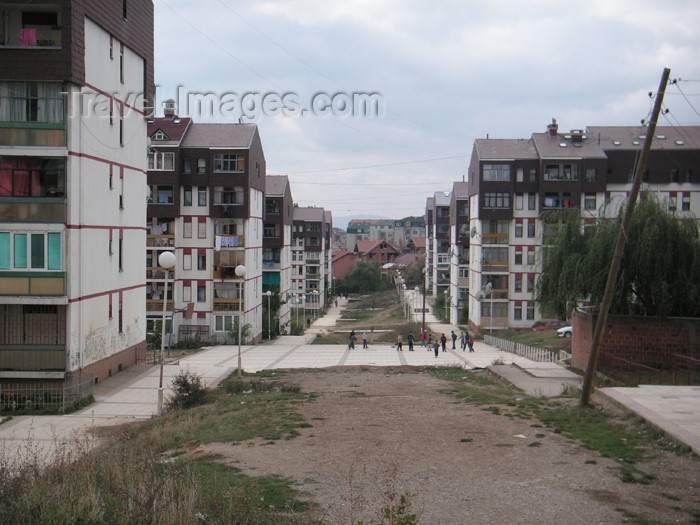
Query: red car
[{"x": 552, "y": 325}]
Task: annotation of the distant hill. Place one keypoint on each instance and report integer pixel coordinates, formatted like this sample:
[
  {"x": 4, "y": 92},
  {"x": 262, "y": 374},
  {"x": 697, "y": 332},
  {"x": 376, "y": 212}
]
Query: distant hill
[{"x": 342, "y": 222}]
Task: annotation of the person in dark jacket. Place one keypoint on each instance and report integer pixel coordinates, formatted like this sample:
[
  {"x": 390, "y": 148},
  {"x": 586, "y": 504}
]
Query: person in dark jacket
[
  {"x": 443, "y": 342},
  {"x": 410, "y": 341},
  {"x": 454, "y": 340}
]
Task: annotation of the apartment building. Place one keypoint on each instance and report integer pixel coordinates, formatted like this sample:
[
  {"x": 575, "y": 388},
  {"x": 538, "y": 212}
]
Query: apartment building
[
  {"x": 459, "y": 253},
  {"x": 406, "y": 229},
  {"x": 207, "y": 185},
  {"x": 438, "y": 243},
  {"x": 311, "y": 258},
  {"x": 277, "y": 244},
  {"x": 520, "y": 189},
  {"x": 75, "y": 78}
]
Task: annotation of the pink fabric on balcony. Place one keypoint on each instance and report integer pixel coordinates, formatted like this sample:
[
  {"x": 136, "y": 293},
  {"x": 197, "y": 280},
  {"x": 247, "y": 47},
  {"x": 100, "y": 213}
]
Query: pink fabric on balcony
[{"x": 27, "y": 37}]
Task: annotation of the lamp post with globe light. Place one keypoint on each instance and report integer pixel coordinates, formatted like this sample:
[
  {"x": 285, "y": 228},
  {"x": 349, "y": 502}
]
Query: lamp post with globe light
[
  {"x": 167, "y": 261},
  {"x": 240, "y": 272},
  {"x": 269, "y": 316}
]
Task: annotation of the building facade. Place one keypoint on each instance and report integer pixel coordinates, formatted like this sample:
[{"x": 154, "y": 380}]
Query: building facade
[
  {"x": 520, "y": 190},
  {"x": 207, "y": 184},
  {"x": 459, "y": 253},
  {"x": 75, "y": 81}
]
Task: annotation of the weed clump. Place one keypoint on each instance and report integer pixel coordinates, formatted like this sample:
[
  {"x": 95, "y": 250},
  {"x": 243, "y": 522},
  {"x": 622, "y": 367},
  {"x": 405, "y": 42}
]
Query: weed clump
[{"x": 189, "y": 390}]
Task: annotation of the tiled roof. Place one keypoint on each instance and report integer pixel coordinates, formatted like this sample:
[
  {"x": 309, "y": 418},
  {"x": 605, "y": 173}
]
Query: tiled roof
[
  {"x": 276, "y": 185},
  {"x": 460, "y": 190},
  {"x": 687, "y": 137},
  {"x": 308, "y": 214},
  {"x": 562, "y": 147},
  {"x": 234, "y": 136},
  {"x": 505, "y": 149},
  {"x": 174, "y": 128},
  {"x": 442, "y": 198}
]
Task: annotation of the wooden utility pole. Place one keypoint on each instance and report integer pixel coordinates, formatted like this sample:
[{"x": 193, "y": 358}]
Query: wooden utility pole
[{"x": 620, "y": 246}]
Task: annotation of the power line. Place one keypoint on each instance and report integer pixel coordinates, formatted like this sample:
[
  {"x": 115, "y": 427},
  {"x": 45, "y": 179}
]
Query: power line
[{"x": 377, "y": 165}]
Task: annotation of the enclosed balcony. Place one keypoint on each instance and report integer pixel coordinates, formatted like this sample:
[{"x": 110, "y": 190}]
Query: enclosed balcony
[{"x": 32, "y": 114}]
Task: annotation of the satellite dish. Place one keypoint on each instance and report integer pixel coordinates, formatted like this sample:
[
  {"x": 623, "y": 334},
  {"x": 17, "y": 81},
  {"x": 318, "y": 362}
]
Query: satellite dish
[
  {"x": 473, "y": 231},
  {"x": 488, "y": 289},
  {"x": 480, "y": 295}
]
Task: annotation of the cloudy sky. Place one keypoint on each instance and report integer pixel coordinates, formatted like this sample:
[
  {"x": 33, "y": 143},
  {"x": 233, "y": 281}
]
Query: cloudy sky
[{"x": 444, "y": 73}]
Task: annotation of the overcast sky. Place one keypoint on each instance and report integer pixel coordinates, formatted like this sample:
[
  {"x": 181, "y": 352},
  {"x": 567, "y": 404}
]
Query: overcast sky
[{"x": 446, "y": 73}]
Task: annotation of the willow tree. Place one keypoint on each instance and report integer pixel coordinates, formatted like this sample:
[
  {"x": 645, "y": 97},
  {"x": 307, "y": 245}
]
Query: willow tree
[{"x": 659, "y": 274}]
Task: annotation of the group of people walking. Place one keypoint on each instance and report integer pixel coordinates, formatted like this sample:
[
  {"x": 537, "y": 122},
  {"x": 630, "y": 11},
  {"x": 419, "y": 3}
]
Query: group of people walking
[{"x": 426, "y": 340}]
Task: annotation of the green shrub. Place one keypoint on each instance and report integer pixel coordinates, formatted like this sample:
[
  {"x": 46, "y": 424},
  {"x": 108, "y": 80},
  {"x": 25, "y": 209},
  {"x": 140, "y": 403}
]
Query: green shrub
[{"x": 188, "y": 391}]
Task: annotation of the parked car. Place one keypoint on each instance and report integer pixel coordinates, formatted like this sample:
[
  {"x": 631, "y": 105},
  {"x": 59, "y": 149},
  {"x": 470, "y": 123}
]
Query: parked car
[
  {"x": 552, "y": 325},
  {"x": 566, "y": 331}
]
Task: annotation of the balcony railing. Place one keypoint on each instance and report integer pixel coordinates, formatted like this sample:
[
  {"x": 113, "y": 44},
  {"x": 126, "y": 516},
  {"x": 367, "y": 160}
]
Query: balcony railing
[
  {"x": 156, "y": 305},
  {"x": 36, "y": 358},
  {"x": 33, "y": 283},
  {"x": 160, "y": 241},
  {"x": 227, "y": 305}
]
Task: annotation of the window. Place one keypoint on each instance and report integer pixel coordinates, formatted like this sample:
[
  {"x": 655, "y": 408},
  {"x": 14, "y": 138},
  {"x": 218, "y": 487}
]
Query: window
[
  {"x": 518, "y": 284},
  {"x": 202, "y": 261},
  {"x": 187, "y": 261},
  {"x": 531, "y": 256},
  {"x": 517, "y": 312},
  {"x": 202, "y": 197},
  {"x": 202, "y": 228},
  {"x": 567, "y": 199},
  {"x": 161, "y": 161},
  {"x": 531, "y": 201},
  {"x": 109, "y": 307},
  {"x": 187, "y": 229},
  {"x": 201, "y": 293},
  {"x": 187, "y": 197},
  {"x": 590, "y": 175},
  {"x": 121, "y": 316},
  {"x": 685, "y": 203},
  {"x": 530, "y": 282},
  {"x": 463, "y": 209},
  {"x": 201, "y": 166},
  {"x": 37, "y": 26},
  {"x": 496, "y": 200},
  {"x": 186, "y": 166},
  {"x": 519, "y": 201},
  {"x": 672, "y": 203},
  {"x": 32, "y": 177},
  {"x": 496, "y": 172},
  {"x": 495, "y": 227},
  {"x": 519, "y": 175},
  {"x": 271, "y": 230},
  {"x": 490, "y": 255},
  {"x": 229, "y": 163},
  {"x": 518, "y": 256},
  {"x": 530, "y": 312},
  {"x": 30, "y": 251},
  {"x": 498, "y": 309},
  {"x": 589, "y": 201},
  {"x": 161, "y": 195},
  {"x": 121, "y": 64},
  {"x": 124, "y": 9},
  {"x": 518, "y": 229},
  {"x": 533, "y": 175},
  {"x": 223, "y": 323},
  {"x": 272, "y": 206},
  {"x": 531, "y": 229},
  {"x": 228, "y": 195},
  {"x": 120, "y": 255},
  {"x": 32, "y": 102},
  {"x": 560, "y": 172}
]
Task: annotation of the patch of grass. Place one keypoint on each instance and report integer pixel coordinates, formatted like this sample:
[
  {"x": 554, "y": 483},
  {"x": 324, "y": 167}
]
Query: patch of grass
[
  {"x": 5, "y": 419},
  {"x": 590, "y": 462},
  {"x": 535, "y": 444},
  {"x": 539, "y": 436},
  {"x": 466, "y": 440},
  {"x": 670, "y": 496}
]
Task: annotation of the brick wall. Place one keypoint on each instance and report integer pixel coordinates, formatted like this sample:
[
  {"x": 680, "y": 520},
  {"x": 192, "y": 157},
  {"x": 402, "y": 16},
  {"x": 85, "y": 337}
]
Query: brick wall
[{"x": 646, "y": 340}]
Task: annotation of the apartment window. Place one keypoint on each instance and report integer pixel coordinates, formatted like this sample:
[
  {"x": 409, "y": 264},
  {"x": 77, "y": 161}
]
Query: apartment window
[
  {"x": 223, "y": 323},
  {"x": 498, "y": 309},
  {"x": 518, "y": 256},
  {"x": 121, "y": 64},
  {"x": 590, "y": 175},
  {"x": 675, "y": 175},
  {"x": 490, "y": 255},
  {"x": 672, "y": 203},
  {"x": 229, "y": 163},
  {"x": 187, "y": 228},
  {"x": 121, "y": 316},
  {"x": 463, "y": 209},
  {"x": 120, "y": 255},
  {"x": 30, "y": 251},
  {"x": 272, "y": 206},
  {"x": 519, "y": 201},
  {"x": 495, "y": 227},
  {"x": 228, "y": 195},
  {"x": 201, "y": 293},
  {"x": 496, "y": 200},
  {"x": 517, "y": 312},
  {"x": 32, "y": 102},
  {"x": 32, "y": 177},
  {"x": 496, "y": 173},
  {"x": 187, "y": 261},
  {"x": 271, "y": 230},
  {"x": 187, "y": 293},
  {"x": 560, "y": 200},
  {"x": 533, "y": 175},
  {"x": 121, "y": 130},
  {"x": 531, "y": 229},
  {"x": 162, "y": 195},
  {"x": 109, "y": 307},
  {"x": 202, "y": 197},
  {"x": 518, "y": 283},
  {"x": 202, "y": 261},
  {"x": 186, "y": 165},
  {"x": 519, "y": 175},
  {"x": 161, "y": 161},
  {"x": 531, "y": 256},
  {"x": 530, "y": 312},
  {"x": 531, "y": 201},
  {"x": 201, "y": 166},
  {"x": 518, "y": 229},
  {"x": 560, "y": 172},
  {"x": 589, "y": 201},
  {"x": 202, "y": 228},
  {"x": 187, "y": 197},
  {"x": 685, "y": 203},
  {"x": 530, "y": 282}
]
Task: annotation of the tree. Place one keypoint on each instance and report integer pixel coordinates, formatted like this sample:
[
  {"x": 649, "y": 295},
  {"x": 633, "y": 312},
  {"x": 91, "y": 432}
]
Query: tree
[
  {"x": 365, "y": 277},
  {"x": 658, "y": 273}
]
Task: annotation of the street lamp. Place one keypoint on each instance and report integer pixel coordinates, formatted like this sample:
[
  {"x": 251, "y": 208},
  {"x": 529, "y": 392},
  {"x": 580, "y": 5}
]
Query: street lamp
[
  {"x": 315, "y": 299},
  {"x": 240, "y": 272},
  {"x": 269, "y": 323},
  {"x": 167, "y": 261},
  {"x": 489, "y": 292}
]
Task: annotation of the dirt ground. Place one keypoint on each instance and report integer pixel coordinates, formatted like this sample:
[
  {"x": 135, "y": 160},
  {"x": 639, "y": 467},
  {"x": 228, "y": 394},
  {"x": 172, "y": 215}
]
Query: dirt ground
[{"x": 376, "y": 432}]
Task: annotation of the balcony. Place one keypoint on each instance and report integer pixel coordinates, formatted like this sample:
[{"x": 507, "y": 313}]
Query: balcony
[
  {"x": 51, "y": 284},
  {"x": 227, "y": 305},
  {"x": 156, "y": 305},
  {"x": 160, "y": 241},
  {"x": 33, "y": 358}
]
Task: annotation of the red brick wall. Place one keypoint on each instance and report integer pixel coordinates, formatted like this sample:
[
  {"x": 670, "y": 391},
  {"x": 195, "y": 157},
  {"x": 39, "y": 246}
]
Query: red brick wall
[{"x": 646, "y": 340}]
